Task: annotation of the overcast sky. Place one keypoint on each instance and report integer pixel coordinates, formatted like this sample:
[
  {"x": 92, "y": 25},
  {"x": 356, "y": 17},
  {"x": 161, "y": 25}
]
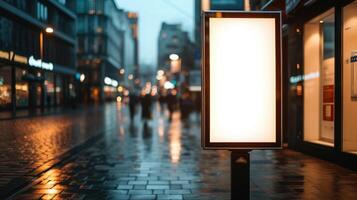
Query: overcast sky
[{"x": 151, "y": 14}]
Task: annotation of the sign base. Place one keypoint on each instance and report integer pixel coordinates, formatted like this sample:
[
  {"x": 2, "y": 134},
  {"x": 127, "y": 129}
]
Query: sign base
[{"x": 240, "y": 174}]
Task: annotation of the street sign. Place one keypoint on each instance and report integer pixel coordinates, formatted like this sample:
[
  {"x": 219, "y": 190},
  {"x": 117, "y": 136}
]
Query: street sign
[{"x": 241, "y": 80}]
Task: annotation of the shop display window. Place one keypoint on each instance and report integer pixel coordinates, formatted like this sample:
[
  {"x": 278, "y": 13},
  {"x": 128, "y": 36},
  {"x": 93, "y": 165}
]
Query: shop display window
[
  {"x": 22, "y": 89},
  {"x": 5, "y": 87},
  {"x": 318, "y": 87},
  {"x": 350, "y": 78}
]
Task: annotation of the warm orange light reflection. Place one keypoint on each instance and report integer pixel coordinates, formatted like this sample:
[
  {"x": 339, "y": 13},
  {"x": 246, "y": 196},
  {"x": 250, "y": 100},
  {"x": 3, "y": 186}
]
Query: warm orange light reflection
[
  {"x": 161, "y": 128},
  {"x": 175, "y": 138}
]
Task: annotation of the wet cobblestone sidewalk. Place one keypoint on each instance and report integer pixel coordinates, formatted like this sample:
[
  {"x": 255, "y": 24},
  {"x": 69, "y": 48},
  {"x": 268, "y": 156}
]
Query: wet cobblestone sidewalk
[
  {"x": 29, "y": 146},
  {"x": 163, "y": 160}
]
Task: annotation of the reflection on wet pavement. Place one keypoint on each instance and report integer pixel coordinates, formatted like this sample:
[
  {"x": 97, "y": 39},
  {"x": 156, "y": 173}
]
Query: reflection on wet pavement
[{"x": 164, "y": 160}]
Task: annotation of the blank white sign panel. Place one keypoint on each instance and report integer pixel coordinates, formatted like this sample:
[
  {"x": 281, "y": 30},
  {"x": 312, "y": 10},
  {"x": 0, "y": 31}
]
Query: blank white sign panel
[{"x": 242, "y": 80}]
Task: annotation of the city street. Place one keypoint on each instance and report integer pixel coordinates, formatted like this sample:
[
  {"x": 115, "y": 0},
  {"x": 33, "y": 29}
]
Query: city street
[{"x": 99, "y": 153}]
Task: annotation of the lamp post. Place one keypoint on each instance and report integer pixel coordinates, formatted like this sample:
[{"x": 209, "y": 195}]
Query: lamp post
[
  {"x": 175, "y": 67},
  {"x": 48, "y": 30}
]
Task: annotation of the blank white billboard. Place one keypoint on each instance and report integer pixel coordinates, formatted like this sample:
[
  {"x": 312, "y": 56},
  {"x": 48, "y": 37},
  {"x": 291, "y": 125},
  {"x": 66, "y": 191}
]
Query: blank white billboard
[{"x": 242, "y": 76}]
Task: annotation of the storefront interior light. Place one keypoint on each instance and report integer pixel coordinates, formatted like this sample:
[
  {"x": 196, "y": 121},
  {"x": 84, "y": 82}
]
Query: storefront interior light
[{"x": 122, "y": 71}]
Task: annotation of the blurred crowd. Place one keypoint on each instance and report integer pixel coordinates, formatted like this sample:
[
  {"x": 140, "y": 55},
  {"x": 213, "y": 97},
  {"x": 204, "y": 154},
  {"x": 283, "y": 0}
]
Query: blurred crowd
[{"x": 171, "y": 100}]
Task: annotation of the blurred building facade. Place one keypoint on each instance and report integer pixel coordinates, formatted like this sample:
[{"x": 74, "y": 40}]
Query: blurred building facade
[
  {"x": 106, "y": 49},
  {"x": 319, "y": 77},
  {"x": 175, "y": 53},
  {"x": 129, "y": 49},
  {"x": 133, "y": 20},
  {"x": 37, "y": 69}
]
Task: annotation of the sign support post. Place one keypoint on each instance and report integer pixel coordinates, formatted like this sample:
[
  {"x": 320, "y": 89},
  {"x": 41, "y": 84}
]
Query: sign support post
[
  {"x": 240, "y": 174},
  {"x": 241, "y": 95}
]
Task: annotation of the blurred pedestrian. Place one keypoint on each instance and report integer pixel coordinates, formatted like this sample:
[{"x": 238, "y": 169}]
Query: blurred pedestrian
[
  {"x": 146, "y": 103},
  {"x": 133, "y": 101},
  {"x": 162, "y": 100},
  {"x": 171, "y": 101},
  {"x": 186, "y": 106}
]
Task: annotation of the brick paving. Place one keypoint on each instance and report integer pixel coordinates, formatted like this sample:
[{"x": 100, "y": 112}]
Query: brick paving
[{"x": 164, "y": 160}]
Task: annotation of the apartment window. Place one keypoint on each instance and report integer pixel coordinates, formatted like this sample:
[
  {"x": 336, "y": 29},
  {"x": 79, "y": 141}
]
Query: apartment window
[
  {"x": 319, "y": 62},
  {"x": 42, "y": 13}
]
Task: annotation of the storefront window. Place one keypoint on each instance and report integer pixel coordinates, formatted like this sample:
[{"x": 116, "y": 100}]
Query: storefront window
[
  {"x": 50, "y": 89},
  {"x": 319, "y": 65},
  {"x": 350, "y": 78},
  {"x": 5, "y": 87},
  {"x": 22, "y": 89}
]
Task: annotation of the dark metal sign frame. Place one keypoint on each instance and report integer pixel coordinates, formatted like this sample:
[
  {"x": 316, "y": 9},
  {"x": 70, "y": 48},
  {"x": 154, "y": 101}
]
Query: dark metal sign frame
[{"x": 205, "y": 123}]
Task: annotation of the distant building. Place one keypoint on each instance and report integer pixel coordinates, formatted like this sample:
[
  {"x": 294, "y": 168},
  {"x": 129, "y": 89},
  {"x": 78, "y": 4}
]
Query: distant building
[
  {"x": 173, "y": 40},
  {"x": 133, "y": 20},
  {"x": 37, "y": 67},
  {"x": 128, "y": 50},
  {"x": 105, "y": 45}
]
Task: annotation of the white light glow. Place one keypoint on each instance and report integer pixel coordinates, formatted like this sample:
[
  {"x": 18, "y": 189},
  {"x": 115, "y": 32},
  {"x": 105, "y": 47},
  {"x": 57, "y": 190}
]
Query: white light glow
[
  {"x": 160, "y": 72},
  {"x": 40, "y": 64},
  {"x": 174, "y": 57},
  {"x": 49, "y": 30},
  {"x": 130, "y": 77},
  {"x": 120, "y": 89},
  {"x": 82, "y": 77},
  {"x": 119, "y": 99},
  {"x": 158, "y": 77},
  {"x": 114, "y": 83},
  {"x": 107, "y": 80},
  {"x": 242, "y": 80},
  {"x": 168, "y": 85}
]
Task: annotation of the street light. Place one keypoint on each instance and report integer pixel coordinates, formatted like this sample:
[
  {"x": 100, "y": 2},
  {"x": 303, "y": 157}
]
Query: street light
[
  {"x": 49, "y": 30},
  {"x": 174, "y": 57}
]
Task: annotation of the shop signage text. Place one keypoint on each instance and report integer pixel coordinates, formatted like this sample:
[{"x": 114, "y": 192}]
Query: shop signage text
[{"x": 40, "y": 64}]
